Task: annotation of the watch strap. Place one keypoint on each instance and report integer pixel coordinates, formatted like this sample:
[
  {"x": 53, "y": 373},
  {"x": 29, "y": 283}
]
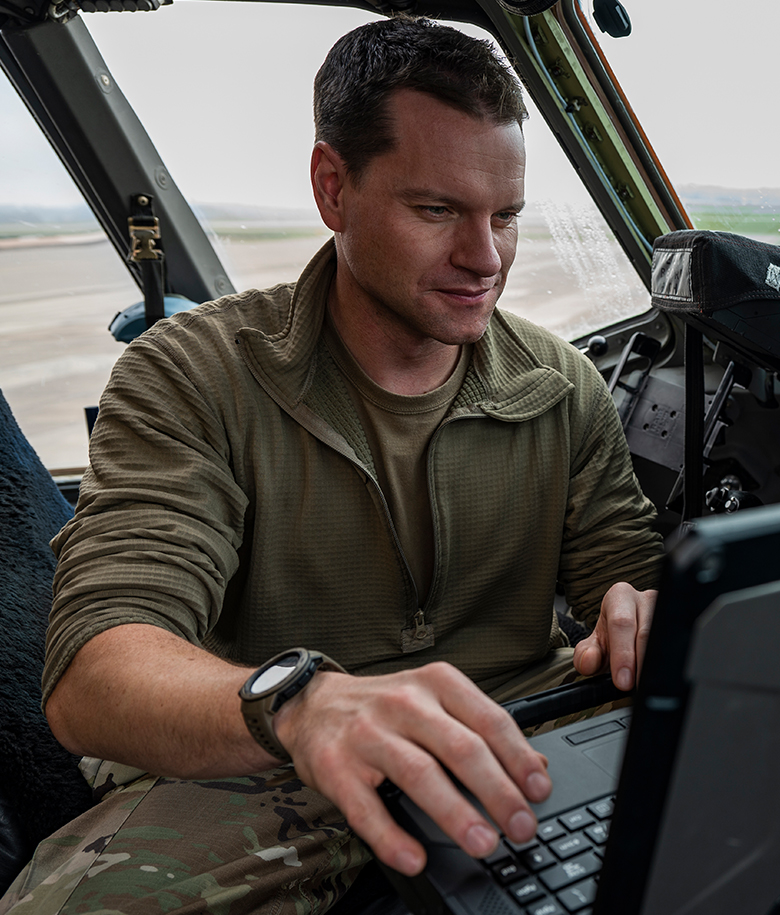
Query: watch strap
[{"x": 258, "y": 713}]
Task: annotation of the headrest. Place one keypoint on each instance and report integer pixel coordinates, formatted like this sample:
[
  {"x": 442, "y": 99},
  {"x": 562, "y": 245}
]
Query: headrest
[
  {"x": 728, "y": 285},
  {"x": 700, "y": 272}
]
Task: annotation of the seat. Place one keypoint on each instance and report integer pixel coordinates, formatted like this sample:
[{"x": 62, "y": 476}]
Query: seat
[{"x": 41, "y": 787}]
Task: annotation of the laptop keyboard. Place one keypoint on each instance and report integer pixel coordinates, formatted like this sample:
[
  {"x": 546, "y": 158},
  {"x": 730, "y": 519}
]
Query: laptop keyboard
[{"x": 557, "y": 872}]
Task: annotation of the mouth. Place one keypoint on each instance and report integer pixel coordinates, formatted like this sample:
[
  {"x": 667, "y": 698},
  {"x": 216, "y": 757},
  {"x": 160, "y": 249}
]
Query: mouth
[{"x": 467, "y": 295}]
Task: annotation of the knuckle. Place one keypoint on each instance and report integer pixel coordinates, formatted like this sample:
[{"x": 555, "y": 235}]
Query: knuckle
[
  {"x": 462, "y": 747},
  {"x": 360, "y": 816},
  {"x": 498, "y": 724},
  {"x": 440, "y": 671},
  {"x": 417, "y": 769},
  {"x": 404, "y": 699},
  {"x": 623, "y": 620},
  {"x": 644, "y": 630}
]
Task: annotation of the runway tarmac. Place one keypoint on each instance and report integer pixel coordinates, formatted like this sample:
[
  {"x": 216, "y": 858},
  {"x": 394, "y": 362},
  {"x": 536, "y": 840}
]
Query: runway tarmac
[{"x": 57, "y": 300}]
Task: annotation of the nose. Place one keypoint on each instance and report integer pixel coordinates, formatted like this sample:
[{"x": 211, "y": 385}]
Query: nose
[{"x": 476, "y": 248}]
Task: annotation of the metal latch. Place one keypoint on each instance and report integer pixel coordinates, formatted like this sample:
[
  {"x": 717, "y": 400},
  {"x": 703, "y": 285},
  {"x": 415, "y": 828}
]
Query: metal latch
[
  {"x": 144, "y": 233},
  {"x": 146, "y": 251}
]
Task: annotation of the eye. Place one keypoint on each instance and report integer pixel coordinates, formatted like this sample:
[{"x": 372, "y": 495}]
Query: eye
[
  {"x": 433, "y": 210},
  {"x": 507, "y": 216}
]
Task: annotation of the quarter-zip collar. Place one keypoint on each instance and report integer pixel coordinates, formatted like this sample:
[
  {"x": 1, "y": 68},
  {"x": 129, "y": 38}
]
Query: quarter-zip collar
[{"x": 505, "y": 381}]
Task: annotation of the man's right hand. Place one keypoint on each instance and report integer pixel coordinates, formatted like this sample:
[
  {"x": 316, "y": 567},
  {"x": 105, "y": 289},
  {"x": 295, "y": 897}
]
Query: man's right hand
[
  {"x": 348, "y": 734},
  {"x": 175, "y": 711}
]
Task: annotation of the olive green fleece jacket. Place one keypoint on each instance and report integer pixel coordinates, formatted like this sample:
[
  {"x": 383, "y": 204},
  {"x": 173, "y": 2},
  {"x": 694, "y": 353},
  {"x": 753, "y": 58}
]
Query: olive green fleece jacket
[{"x": 232, "y": 500}]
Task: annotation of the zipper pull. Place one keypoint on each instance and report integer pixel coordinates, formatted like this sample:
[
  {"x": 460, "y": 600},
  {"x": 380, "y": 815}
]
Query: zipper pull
[{"x": 419, "y": 637}]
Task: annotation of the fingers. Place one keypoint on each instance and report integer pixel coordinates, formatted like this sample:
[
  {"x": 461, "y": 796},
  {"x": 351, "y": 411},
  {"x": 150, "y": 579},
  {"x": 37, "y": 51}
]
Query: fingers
[
  {"x": 352, "y": 733},
  {"x": 481, "y": 745},
  {"x": 620, "y": 635},
  {"x": 589, "y": 656},
  {"x": 370, "y": 819}
]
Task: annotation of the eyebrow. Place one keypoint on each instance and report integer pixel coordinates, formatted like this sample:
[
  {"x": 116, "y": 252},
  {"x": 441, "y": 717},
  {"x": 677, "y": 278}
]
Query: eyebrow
[{"x": 425, "y": 193}]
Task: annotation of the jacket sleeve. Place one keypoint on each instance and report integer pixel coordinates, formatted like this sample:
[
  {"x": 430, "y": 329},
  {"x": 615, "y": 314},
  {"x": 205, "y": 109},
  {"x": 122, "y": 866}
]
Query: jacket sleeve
[
  {"x": 608, "y": 534},
  {"x": 160, "y": 516}
]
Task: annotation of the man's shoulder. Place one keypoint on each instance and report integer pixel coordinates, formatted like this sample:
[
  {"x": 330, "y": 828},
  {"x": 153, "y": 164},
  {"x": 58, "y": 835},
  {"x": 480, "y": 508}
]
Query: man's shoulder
[
  {"x": 271, "y": 312},
  {"x": 540, "y": 345},
  {"x": 267, "y": 310}
]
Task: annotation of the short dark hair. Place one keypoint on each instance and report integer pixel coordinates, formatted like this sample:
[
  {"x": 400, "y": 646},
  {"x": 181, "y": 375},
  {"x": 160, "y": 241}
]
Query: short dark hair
[{"x": 353, "y": 87}]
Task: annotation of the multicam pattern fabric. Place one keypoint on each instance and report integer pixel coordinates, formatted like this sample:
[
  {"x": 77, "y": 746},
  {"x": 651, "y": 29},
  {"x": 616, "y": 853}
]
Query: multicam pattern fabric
[{"x": 264, "y": 845}]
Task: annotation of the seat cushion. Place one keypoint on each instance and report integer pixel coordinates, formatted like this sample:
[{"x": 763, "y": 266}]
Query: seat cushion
[{"x": 40, "y": 785}]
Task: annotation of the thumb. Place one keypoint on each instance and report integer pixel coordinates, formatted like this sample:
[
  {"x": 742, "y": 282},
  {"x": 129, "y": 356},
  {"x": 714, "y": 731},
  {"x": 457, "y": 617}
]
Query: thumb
[{"x": 588, "y": 657}]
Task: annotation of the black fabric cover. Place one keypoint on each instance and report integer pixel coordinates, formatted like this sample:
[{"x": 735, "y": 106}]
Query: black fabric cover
[
  {"x": 40, "y": 785},
  {"x": 729, "y": 285}
]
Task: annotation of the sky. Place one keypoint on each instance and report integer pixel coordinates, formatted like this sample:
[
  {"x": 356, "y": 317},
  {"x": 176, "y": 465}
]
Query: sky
[{"x": 226, "y": 95}]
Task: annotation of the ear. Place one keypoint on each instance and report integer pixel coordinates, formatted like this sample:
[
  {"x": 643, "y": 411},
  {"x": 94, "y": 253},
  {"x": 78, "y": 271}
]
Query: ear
[{"x": 328, "y": 176}]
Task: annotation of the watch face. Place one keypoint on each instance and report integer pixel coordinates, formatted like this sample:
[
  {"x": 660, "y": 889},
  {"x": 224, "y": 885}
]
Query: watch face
[{"x": 274, "y": 676}]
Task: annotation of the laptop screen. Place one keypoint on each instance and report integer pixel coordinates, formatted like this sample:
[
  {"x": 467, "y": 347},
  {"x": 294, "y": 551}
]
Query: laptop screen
[{"x": 713, "y": 643}]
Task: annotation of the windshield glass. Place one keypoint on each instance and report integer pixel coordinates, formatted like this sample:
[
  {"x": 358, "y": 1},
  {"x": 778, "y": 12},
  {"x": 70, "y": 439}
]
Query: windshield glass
[
  {"x": 244, "y": 162},
  {"x": 698, "y": 76},
  {"x": 225, "y": 94}
]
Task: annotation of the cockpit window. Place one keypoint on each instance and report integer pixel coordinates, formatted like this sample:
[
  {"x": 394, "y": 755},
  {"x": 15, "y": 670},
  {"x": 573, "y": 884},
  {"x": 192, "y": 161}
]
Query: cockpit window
[
  {"x": 224, "y": 90},
  {"x": 60, "y": 284},
  {"x": 697, "y": 75},
  {"x": 243, "y": 158}
]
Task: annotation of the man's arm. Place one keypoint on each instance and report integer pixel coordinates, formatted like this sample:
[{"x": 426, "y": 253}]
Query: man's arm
[
  {"x": 142, "y": 696},
  {"x": 175, "y": 711}
]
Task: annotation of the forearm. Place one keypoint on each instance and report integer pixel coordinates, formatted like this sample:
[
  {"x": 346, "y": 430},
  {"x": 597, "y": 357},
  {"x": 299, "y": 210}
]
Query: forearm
[{"x": 140, "y": 695}]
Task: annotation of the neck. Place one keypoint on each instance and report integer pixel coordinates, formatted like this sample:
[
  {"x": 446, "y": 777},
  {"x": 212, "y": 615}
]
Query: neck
[{"x": 396, "y": 361}]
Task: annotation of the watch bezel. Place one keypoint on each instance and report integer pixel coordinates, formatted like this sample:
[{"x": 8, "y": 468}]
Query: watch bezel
[{"x": 300, "y": 674}]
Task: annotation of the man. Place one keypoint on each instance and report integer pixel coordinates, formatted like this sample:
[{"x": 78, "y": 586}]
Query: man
[{"x": 374, "y": 465}]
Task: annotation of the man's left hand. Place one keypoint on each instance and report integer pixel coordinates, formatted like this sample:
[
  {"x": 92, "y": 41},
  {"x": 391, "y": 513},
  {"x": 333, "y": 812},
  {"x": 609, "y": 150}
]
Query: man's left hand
[{"x": 620, "y": 635}]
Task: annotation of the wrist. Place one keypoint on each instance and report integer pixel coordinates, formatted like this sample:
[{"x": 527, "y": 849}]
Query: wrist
[{"x": 273, "y": 686}]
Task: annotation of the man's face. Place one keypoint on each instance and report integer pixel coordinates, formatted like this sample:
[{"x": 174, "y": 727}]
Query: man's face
[{"x": 429, "y": 232}]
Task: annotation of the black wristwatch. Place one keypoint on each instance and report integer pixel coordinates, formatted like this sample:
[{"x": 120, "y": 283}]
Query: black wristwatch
[{"x": 271, "y": 685}]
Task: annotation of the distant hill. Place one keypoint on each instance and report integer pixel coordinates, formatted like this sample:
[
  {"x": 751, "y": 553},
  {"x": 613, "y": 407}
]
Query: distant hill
[
  {"x": 37, "y": 216},
  {"x": 43, "y": 220},
  {"x": 747, "y": 210},
  {"x": 697, "y": 196},
  {"x": 248, "y": 213}
]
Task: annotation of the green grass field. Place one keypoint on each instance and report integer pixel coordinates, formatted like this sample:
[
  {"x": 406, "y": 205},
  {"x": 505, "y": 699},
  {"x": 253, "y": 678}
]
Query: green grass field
[{"x": 739, "y": 220}]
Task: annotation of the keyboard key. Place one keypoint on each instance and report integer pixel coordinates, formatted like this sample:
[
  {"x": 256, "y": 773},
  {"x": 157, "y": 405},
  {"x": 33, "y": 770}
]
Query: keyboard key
[
  {"x": 575, "y": 898},
  {"x": 549, "y": 830},
  {"x": 527, "y": 890},
  {"x": 519, "y": 847},
  {"x": 499, "y": 856},
  {"x": 555, "y": 878},
  {"x": 598, "y": 833},
  {"x": 545, "y": 907},
  {"x": 507, "y": 871},
  {"x": 577, "y": 819},
  {"x": 537, "y": 858},
  {"x": 602, "y": 809},
  {"x": 569, "y": 846}
]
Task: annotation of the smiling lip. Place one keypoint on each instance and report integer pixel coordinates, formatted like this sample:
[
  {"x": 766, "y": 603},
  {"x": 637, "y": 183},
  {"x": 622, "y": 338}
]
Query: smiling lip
[{"x": 465, "y": 294}]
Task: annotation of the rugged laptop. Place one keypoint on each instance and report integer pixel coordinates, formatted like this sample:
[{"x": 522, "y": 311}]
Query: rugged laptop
[{"x": 671, "y": 809}]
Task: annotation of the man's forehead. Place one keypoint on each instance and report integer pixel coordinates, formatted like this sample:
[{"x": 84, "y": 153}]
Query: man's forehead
[
  {"x": 417, "y": 107},
  {"x": 436, "y": 144}
]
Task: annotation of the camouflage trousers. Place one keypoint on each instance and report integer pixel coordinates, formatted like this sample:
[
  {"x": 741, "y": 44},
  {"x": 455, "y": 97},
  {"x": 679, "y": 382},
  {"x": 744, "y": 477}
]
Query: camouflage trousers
[{"x": 258, "y": 845}]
